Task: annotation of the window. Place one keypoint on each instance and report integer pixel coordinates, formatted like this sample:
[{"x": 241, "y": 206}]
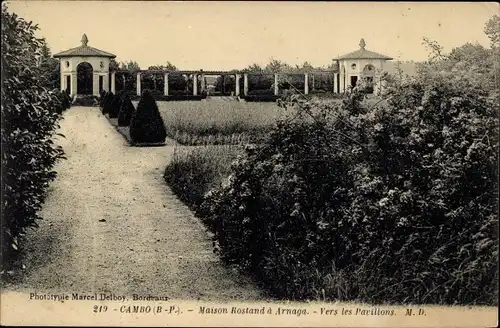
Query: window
[{"x": 353, "y": 66}]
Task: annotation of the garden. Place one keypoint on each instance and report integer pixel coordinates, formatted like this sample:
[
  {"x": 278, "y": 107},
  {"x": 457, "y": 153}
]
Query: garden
[
  {"x": 360, "y": 199},
  {"x": 386, "y": 201}
]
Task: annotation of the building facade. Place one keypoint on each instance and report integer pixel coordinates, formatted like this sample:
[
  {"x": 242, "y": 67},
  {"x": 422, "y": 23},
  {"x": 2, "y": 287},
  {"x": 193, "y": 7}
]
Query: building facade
[
  {"x": 361, "y": 64},
  {"x": 84, "y": 69}
]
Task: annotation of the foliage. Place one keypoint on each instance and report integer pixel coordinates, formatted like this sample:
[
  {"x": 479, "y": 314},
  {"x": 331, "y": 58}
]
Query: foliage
[
  {"x": 113, "y": 65},
  {"x": 29, "y": 121},
  {"x": 50, "y": 68},
  {"x": 86, "y": 100},
  {"x": 116, "y": 104},
  {"x": 193, "y": 172},
  {"x": 131, "y": 66},
  {"x": 108, "y": 102},
  {"x": 127, "y": 110},
  {"x": 492, "y": 30},
  {"x": 146, "y": 125},
  {"x": 101, "y": 99},
  {"x": 393, "y": 203}
]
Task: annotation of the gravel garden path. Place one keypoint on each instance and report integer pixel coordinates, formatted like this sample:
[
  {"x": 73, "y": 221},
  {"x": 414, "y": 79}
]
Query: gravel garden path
[{"x": 111, "y": 225}]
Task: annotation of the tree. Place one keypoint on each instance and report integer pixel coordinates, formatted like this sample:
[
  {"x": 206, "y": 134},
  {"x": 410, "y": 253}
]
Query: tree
[
  {"x": 131, "y": 66},
  {"x": 146, "y": 125},
  {"x": 276, "y": 66},
  {"x": 254, "y": 68},
  {"x": 492, "y": 30},
  {"x": 113, "y": 65},
  {"x": 50, "y": 68}
]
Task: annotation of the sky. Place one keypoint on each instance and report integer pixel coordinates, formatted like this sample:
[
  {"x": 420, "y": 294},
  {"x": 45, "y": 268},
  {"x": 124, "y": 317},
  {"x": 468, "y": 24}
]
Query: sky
[{"x": 234, "y": 34}]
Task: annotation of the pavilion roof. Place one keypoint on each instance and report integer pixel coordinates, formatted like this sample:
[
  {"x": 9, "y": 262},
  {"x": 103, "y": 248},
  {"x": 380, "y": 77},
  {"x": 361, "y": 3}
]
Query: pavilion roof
[
  {"x": 84, "y": 51},
  {"x": 362, "y": 53}
]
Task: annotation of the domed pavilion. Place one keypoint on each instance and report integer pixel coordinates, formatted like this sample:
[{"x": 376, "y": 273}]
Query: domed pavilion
[{"x": 84, "y": 69}]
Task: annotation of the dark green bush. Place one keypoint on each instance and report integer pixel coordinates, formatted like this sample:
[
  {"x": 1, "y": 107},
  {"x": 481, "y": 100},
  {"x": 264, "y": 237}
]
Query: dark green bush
[
  {"x": 101, "y": 99},
  {"x": 146, "y": 125},
  {"x": 108, "y": 103},
  {"x": 115, "y": 106},
  {"x": 86, "y": 100},
  {"x": 29, "y": 121},
  {"x": 126, "y": 111},
  {"x": 395, "y": 203}
]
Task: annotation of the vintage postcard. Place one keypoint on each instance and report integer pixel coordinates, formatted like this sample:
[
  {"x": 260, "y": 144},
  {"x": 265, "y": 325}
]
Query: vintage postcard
[{"x": 232, "y": 163}]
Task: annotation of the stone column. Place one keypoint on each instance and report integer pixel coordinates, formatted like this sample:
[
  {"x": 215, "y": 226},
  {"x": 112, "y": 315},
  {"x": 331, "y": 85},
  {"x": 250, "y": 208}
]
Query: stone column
[
  {"x": 245, "y": 84},
  {"x": 113, "y": 82},
  {"x": 335, "y": 82},
  {"x": 105, "y": 82},
  {"x": 165, "y": 86},
  {"x": 306, "y": 83},
  {"x": 203, "y": 83},
  {"x": 237, "y": 86},
  {"x": 95, "y": 84},
  {"x": 195, "y": 84},
  {"x": 138, "y": 84},
  {"x": 74, "y": 82},
  {"x": 342, "y": 83},
  {"x": 276, "y": 86}
]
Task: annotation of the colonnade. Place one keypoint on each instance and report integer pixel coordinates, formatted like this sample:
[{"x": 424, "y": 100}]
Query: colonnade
[{"x": 237, "y": 83}]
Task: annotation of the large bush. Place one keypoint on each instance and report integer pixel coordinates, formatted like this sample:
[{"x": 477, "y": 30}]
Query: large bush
[
  {"x": 146, "y": 125},
  {"x": 127, "y": 109},
  {"x": 395, "y": 203},
  {"x": 29, "y": 121}
]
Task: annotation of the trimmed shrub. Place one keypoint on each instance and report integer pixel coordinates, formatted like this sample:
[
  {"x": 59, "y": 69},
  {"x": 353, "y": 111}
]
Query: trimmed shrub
[
  {"x": 86, "y": 100},
  {"x": 115, "y": 106},
  {"x": 101, "y": 99},
  {"x": 146, "y": 125},
  {"x": 107, "y": 104},
  {"x": 29, "y": 122},
  {"x": 127, "y": 110}
]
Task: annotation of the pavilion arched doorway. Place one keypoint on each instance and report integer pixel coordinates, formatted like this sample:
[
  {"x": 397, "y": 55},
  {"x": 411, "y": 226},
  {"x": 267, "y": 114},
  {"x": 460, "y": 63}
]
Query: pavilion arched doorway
[{"x": 84, "y": 79}]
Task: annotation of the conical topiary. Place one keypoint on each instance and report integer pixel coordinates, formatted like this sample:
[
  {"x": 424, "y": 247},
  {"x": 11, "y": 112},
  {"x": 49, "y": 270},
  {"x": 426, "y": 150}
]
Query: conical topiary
[
  {"x": 126, "y": 111},
  {"x": 108, "y": 100},
  {"x": 146, "y": 125},
  {"x": 115, "y": 106}
]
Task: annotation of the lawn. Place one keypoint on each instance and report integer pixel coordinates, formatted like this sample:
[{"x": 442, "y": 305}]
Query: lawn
[{"x": 215, "y": 122}]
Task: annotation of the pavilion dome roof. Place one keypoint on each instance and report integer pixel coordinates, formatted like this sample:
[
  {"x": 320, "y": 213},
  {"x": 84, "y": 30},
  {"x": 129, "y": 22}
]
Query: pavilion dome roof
[
  {"x": 362, "y": 53},
  {"x": 84, "y": 51}
]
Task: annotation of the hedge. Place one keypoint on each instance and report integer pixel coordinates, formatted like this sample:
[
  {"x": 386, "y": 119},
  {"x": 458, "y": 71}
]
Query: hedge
[{"x": 29, "y": 122}]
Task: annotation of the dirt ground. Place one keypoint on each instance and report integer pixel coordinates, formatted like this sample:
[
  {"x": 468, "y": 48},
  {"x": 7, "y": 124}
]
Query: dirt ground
[{"x": 111, "y": 225}]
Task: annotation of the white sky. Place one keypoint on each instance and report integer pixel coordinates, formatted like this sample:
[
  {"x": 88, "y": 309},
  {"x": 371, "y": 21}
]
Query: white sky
[{"x": 232, "y": 35}]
